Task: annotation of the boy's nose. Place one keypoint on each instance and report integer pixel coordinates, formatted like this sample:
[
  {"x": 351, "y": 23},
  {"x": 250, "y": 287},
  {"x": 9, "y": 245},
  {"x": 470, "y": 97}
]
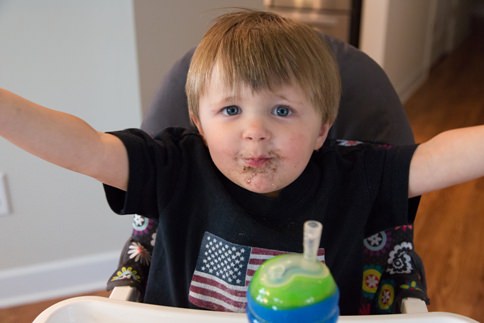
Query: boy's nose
[{"x": 256, "y": 131}]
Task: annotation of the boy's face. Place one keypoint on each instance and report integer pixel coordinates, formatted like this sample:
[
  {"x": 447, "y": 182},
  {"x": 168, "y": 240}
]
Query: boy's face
[{"x": 261, "y": 141}]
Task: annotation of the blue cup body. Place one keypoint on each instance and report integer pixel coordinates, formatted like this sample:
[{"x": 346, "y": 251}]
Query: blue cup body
[{"x": 326, "y": 311}]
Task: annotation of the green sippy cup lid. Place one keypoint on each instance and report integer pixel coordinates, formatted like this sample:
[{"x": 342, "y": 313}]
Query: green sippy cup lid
[{"x": 294, "y": 280}]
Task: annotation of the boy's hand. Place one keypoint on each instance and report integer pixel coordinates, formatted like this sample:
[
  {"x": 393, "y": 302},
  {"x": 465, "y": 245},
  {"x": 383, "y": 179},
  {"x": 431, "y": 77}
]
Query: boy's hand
[
  {"x": 63, "y": 139},
  {"x": 450, "y": 158}
]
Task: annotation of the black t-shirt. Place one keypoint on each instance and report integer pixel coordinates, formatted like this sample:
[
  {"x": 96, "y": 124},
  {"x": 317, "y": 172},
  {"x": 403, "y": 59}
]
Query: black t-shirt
[{"x": 212, "y": 234}]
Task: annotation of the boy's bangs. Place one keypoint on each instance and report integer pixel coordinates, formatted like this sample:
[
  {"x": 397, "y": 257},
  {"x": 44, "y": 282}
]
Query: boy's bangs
[
  {"x": 258, "y": 66},
  {"x": 263, "y": 51}
]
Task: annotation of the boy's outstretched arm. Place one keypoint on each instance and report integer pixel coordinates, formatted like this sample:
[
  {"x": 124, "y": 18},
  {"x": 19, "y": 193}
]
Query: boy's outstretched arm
[
  {"x": 450, "y": 158},
  {"x": 63, "y": 139}
]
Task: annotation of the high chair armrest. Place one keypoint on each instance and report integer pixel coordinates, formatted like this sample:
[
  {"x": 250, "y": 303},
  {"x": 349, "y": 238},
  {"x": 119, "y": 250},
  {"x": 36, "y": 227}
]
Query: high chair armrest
[
  {"x": 128, "y": 293},
  {"x": 125, "y": 293},
  {"x": 413, "y": 305}
]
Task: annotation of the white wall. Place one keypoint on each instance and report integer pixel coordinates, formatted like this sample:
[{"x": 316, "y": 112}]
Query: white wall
[
  {"x": 396, "y": 34},
  {"x": 402, "y": 36},
  {"x": 451, "y": 26},
  {"x": 93, "y": 59},
  {"x": 79, "y": 57},
  {"x": 167, "y": 29},
  {"x": 407, "y": 51}
]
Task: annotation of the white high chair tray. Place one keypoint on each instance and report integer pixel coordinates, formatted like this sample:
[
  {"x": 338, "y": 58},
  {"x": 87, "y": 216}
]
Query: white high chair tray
[{"x": 94, "y": 309}]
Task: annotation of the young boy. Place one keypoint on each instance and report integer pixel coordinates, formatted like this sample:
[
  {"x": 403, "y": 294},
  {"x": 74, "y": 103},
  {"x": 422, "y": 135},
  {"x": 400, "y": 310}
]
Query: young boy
[{"x": 263, "y": 92}]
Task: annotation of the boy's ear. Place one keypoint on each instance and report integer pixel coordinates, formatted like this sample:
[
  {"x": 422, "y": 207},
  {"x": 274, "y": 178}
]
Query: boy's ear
[
  {"x": 196, "y": 122},
  {"x": 323, "y": 134}
]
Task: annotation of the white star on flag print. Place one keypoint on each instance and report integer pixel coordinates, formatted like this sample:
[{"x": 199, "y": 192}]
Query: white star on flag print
[{"x": 223, "y": 273}]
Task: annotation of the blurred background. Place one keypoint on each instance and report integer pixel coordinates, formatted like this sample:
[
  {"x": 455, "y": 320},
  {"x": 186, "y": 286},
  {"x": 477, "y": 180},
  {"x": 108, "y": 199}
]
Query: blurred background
[{"x": 104, "y": 61}]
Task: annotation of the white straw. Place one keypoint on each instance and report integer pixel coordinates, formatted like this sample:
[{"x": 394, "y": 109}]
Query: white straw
[{"x": 312, "y": 236}]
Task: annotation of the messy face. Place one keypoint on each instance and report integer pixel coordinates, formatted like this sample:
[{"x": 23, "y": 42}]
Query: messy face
[{"x": 263, "y": 140}]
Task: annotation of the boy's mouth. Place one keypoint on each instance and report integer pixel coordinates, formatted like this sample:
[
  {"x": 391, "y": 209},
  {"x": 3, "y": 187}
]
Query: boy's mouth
[
  {"x": 258, "y": 165},
  {"x": 256, "y": 162},
  {"x": 254, "y": 166}
]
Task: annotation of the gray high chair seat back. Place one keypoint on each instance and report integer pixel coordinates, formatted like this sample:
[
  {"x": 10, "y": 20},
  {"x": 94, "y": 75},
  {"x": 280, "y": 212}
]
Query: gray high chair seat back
[{"x": 370, "y": 110}]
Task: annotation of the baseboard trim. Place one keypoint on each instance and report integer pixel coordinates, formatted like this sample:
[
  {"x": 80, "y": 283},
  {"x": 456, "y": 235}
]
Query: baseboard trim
[
  {"x": 56, "y": 279},
  {"x": 406, "y": 91}
]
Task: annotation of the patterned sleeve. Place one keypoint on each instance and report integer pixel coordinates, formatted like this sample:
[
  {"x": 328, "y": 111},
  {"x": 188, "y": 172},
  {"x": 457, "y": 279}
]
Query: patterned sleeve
[
  {"x": 392, "y": 271},
  {"x": 134, "y": 263}
]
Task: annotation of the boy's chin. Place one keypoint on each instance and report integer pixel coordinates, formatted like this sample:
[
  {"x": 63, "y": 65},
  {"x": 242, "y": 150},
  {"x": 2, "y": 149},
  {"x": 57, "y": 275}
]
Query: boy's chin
[{"x": 269, "y": 190}]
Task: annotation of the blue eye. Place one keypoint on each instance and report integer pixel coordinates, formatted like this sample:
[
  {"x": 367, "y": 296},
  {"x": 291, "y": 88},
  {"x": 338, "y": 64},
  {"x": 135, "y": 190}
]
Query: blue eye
[
  {"x": 231, "y": 110},
  {"x": 282, "y": 111}
]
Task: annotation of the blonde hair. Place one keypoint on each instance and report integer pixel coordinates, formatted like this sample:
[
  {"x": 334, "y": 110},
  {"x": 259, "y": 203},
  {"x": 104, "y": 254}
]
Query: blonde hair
[{"x": 264, "y": 50}]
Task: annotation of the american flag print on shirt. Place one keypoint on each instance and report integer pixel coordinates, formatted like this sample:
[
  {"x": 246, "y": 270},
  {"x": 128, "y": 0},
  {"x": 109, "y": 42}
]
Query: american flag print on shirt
[{"x": 224, "y": 271}]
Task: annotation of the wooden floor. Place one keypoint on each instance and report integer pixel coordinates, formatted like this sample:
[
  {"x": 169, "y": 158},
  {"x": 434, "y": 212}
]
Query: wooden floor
[
  {"x": 450, "y": 223},
  {"x": 27, "y": 313}
]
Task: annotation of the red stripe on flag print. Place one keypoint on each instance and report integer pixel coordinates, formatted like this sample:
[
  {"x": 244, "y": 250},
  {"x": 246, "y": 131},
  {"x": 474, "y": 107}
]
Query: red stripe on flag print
[
  {"x": 213, "y": 283},
  {"x": 214, "y": 294},
  {"x": 259, "y": 255}
]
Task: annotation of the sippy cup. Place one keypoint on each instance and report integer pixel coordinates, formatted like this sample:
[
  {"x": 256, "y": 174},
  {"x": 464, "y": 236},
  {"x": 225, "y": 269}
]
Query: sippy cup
[{"x": 294, "y": 287}]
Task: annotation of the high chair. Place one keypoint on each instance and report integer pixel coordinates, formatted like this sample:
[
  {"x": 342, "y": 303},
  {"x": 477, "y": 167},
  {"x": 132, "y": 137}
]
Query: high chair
[
  {"x": 95, "y": 309},
  {"x": 370, "y": 110}
]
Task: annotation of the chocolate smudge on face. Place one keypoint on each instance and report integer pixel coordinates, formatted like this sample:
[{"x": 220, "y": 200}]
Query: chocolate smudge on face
[{"x": 254, "y": 171}]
